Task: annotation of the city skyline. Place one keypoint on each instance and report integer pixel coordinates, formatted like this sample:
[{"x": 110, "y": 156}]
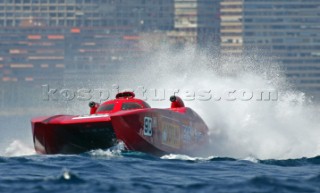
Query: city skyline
[
  {"x": 285, "y": 30},
  {"x": 55, "y": 39}
]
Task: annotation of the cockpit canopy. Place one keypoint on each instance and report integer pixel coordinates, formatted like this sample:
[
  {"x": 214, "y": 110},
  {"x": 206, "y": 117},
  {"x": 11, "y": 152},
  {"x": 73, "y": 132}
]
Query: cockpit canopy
[{"x": 123, "y": 101}]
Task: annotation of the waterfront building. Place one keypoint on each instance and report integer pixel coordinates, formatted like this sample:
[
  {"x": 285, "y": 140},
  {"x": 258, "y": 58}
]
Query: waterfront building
[
  {"x": 43, "y": 39},
  {"x": 196, "y": 22},
  {"x": 287, "y": 30}
]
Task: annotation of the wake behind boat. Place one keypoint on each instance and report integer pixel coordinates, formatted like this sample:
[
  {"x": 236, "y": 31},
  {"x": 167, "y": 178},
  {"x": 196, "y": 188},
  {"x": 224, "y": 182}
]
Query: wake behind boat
[{"x": 177, "y": 129}]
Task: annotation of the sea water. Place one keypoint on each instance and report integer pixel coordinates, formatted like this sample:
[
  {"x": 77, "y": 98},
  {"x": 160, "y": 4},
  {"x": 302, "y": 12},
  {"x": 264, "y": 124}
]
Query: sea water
[{"x": 117, "y": 171}]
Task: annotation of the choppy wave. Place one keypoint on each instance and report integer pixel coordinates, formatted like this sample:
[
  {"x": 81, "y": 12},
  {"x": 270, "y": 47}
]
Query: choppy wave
[
  {"x": 186, "y": 157},
  {"x": 67, "y": 177},
  {"x": 293, "y": 162},
  {"x": 126, "y": 171},
  {"x": 284, "y": 162}
]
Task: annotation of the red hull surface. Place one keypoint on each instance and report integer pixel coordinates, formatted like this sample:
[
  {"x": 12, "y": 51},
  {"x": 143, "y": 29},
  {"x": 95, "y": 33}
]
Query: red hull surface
[
  {"x": 65, "y": 134},
  {"x": 160, "y": 131},
  {"x": 176, "y": 130}
]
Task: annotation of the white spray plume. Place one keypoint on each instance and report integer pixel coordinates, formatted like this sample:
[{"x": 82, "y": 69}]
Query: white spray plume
[
  {"x": 286, "y": 128},
  {"x": 18, "y": 148}
]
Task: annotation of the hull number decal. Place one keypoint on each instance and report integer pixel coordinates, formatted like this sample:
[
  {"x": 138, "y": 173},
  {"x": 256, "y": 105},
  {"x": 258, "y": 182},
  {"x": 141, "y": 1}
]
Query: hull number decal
[{"x": 147, "y": 127}]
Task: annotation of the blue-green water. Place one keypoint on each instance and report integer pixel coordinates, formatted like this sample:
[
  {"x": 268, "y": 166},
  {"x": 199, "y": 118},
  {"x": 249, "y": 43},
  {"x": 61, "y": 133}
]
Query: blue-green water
[
  {"x": 22, "y": 171},
  {"x": 116, "y": 171}
]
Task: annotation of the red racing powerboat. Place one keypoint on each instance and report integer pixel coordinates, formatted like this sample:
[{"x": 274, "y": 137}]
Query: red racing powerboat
[{"x": 177, "y": 130}]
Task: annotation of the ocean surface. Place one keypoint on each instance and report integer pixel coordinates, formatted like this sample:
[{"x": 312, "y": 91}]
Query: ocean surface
[
  {"x": 114, "y": 170},
  {"x": 120, "y": 171}
]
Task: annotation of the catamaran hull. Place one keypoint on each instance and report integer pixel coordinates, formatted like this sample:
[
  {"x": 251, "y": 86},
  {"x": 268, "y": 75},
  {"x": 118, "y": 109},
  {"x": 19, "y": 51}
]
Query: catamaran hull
[
  {"x": 52, "y": 137},
  {"x": 176, "y": 130},
  {"x": 153, "y": 131}
]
